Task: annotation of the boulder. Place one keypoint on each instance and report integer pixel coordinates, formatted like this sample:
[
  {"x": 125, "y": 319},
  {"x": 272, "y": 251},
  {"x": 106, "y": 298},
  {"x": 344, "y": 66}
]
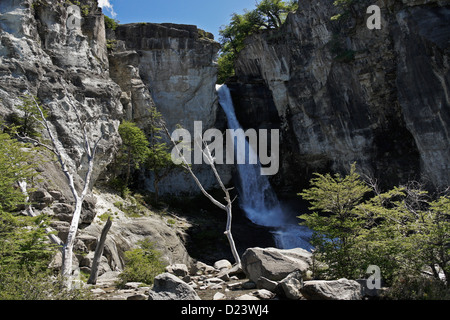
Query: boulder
[
  {"x": 223, "y": 264},
  {"x": 292, "y": 285},
  {"x": 274, "y": 264},
  {"x": 169, "y": 287},
  {"x": 180, "y": 270},
  {"x": 41, "y": 199},
  {"x": 219, "y": 296},
  {"x": 342, "y": 289},
  {"x": 264, "y": 283},
  {"x": 202, "y": 268},
  {"x": 137, "y": 297},
  {"x": 264, "y": 294},
  {"x": 247, "y": 297}
]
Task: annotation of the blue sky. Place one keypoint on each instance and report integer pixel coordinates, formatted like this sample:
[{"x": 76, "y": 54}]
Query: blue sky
[{"x": 208, "y": 15}]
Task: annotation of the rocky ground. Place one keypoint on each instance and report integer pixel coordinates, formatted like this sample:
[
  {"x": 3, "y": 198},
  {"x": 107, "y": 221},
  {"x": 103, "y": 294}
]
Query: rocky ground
[
  {"x": 265, "y": 274},
  {"x": 209, "y": 284}
]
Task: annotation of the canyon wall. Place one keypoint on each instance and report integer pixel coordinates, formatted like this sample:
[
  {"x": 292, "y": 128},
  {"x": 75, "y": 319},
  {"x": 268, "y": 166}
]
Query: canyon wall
[
  {"x": 66, "y": 69},
  {"x": 175, "y": 66},
  {"x": 342, "y": 93}
]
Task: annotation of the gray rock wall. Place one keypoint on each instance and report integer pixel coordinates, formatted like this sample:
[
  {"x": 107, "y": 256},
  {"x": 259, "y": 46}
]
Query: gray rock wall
[
  {"x": 345, "y": 93},
  {"x": 39, "y": 55},
  {"x": 175, "y": 66}
]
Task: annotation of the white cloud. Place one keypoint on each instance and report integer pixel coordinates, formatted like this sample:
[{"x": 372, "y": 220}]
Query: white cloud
[{"x": 106, "y": 5}]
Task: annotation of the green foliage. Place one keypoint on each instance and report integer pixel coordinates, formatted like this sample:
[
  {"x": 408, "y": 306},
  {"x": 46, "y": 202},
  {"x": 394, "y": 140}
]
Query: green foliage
[
  {"x": 417, "y": 287},
  {"x": 159, "y": 159},
  {"x": 226, "y": 66},
  {"x": 268, "y": 14},
  {"x": 110, "y": 44},
  {"x": 344, "y": 6},
  {"x": 25, "y": 252},
  {"x": 24, "y": 242},
  {"x": 16, "y": 164},
  {"x": 144, "y": 149},
  {"x": 134, "y": 206},
  {"x": 336, "y": 224},
  {"x": 26, "y": 124},
  {"x": 142, "y": 264},
  {"x": 415, "y": 230},
  {"x": 134, "y": 150},
  {"x": 111, "y": 23},
  {"x": 24, "y": 284},
  {"x": 403, "y": 231}
]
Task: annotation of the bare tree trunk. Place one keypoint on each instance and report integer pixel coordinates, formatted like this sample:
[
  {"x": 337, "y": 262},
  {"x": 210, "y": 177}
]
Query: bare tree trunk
[
  {"x": 67, "y": 249},
  {"x": 67, "y": 257},
  {"x": 99, "y": 252},
  {"x": 230, "y": 235},
  {"x": 227, "y": 208}
]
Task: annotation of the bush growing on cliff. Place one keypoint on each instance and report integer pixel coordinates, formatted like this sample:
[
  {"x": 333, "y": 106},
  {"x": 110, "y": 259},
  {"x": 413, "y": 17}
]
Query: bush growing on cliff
[
  {"x": 134, "y": 150},
  {"x": 159, "y": 159},
  {"x": 268, "y": 14},
  {"x": 111, "y": 23}
]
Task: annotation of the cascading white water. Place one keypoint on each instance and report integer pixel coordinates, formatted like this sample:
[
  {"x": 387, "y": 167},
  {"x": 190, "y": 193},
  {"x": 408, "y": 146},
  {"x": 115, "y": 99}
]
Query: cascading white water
[{"x": 257, "y": 198}]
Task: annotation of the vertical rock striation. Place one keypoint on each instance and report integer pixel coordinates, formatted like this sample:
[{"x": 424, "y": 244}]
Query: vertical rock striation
[
  {"x": 344, "y": 93},
  {"x": 172, "y": 67},
  {"x": 40, "y": 55}
]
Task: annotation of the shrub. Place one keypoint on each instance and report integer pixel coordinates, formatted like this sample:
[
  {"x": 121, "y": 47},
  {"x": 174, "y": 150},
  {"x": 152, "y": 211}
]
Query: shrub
[
  {"x": 336, "y": 223},
  {"x": 142, "y": 264},
  {"x": 402, "y": 231},
  {"x": 417, "y": 287},
  {"x": 111, "y": 23},
  {"x": 21, "y": 283}
]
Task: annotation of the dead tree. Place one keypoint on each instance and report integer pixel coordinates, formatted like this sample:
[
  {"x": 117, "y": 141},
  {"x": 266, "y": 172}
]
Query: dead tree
[
  {"x": 67, "y": 248},
  {"x": 99, "y": 252},
  {"x": 228, "y": 207}
]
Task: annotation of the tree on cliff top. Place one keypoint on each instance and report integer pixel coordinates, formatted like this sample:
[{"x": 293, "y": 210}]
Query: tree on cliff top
[{"x": 268, "y": 14}]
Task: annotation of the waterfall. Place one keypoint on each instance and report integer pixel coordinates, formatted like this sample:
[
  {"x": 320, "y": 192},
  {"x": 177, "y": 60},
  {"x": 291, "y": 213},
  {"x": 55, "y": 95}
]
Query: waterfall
[{"x": 256, "y": 196}]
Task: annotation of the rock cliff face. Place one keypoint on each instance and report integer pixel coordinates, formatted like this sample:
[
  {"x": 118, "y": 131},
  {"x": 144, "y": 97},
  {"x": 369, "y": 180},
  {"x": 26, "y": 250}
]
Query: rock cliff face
[
  {"x": 171, "y": 66},
  {"x": 69, "y": 67},
  {"x": 343, "y": 93},
  {"x": 39, "y": 55}
]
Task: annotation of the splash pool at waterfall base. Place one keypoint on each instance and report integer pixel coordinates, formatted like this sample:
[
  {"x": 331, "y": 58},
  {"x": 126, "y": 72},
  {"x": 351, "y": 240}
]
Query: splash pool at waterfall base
[{"x": 206, "y": 241}]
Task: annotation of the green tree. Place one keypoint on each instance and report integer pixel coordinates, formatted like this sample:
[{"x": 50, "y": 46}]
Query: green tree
[
  {"x": 26, "y": 124},
  {"x": 268, "y": 14},
  {"x": 159, "y": 159},
  {"x": 111, "y": 23},
  {"x": 335, "y": 222},
  {"x": 16, "y": 164},
  {"x": 135, "y": 148},
  {"x": 403, "y": 231},
  {"x": 408, "y": 231},
  {"x": 24, "y": 248},
  {"x": 273, "y": 13}
]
